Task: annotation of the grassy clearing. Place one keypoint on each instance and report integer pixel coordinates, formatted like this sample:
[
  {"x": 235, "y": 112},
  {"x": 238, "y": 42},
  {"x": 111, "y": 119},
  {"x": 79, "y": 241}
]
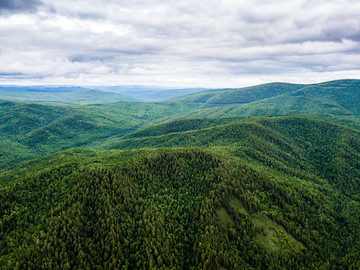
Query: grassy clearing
[
  {"x": 224, "y": 216},
  {"x": 274, "y": 236}
]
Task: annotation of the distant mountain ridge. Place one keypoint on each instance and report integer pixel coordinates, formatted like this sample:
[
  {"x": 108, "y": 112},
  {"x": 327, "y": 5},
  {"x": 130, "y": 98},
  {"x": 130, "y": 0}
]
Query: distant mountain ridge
[
  {"x": 149, "y": 93},
  {"x": 92, "y": 93},
  {"x": 59, "y": 94},
  {"x": 244, "y": 95},
  {"x": 330, "y": 92},
  {"x": 336, "y": 98}
]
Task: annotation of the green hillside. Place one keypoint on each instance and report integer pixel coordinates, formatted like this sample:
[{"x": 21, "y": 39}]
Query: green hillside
[
  {"x": 294, "y": 143},
  {"x": 45, "y": 129},
  {"x": 336, "y": 98},
  {"x": 180, "y": 209},
  {"x": 222, "y": 97},
  {"x": 179, "y": 126},
  {"x": 13, "y": 152}
]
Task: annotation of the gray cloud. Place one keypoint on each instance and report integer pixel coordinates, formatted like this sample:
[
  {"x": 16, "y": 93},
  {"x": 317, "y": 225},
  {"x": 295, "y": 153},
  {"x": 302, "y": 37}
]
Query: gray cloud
[
  {"x": 11, "y": 6},
  {"x": 202, "y": 43}
]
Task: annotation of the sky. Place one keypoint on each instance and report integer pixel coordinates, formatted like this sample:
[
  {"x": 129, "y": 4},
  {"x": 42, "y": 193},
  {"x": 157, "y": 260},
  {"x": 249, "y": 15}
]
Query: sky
[{"x": 182, "y": 43}]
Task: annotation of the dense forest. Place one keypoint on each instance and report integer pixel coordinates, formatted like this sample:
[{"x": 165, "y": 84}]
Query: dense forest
[{"x": 197, "y": 182}]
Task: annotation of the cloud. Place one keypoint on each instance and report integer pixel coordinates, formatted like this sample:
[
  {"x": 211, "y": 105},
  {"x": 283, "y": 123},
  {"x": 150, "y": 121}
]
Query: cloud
[
  {"x": 12, "y": 6},
  {"x": 201, "y": 43}
]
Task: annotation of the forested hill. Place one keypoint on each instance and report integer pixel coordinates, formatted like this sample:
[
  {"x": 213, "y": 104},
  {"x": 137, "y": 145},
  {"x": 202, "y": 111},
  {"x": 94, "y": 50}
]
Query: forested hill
[
  {"x": 32, "y": 130},
  {"x": 292, "y": 143},
  {"x": 222, "y": 97},
  {"x": 172, "y": 209},
  {"x": 335, "y": 98}
]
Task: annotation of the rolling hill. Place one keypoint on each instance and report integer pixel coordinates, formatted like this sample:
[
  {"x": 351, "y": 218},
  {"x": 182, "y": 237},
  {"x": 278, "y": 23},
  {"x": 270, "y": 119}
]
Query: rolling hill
[
  {"x": 43, "y": 129},
  {"x": 335, "y": 98},
  {"x": 221, "y": 97},
  {"x": 294, "y": 143},
  {"x": 47, "y": 128}
]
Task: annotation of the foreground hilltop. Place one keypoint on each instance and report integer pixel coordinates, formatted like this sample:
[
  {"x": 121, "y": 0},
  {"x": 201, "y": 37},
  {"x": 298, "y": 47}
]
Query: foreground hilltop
[{"x": 162, "y": 209}]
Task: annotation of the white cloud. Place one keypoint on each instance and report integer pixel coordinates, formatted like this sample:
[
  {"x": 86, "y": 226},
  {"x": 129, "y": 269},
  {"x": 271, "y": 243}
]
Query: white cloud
[{"x": 198, "y": 43}]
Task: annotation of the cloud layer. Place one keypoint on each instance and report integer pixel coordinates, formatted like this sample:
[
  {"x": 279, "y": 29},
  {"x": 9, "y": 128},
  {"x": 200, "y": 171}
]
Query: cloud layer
[
  {"x": 178, "y": 43},
  {"x": 18, "y": 5}
]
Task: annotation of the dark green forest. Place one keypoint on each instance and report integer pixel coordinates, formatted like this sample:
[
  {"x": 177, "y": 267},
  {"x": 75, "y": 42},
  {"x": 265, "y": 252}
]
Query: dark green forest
[{"x": 264, "y": 177}]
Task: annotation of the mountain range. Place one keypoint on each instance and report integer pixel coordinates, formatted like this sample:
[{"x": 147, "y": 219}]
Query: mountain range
[{"x": 262, "y": 177}]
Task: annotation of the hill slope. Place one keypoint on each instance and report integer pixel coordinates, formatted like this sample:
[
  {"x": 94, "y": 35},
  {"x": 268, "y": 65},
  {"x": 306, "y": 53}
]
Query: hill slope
[
  {"x": 336, "y": 98},
  {"x": 222, "y": 97},
  {"x": 181, "y": 209},
  {"x": 46, "y": 129},
  {"x": 294, "y": 144}
]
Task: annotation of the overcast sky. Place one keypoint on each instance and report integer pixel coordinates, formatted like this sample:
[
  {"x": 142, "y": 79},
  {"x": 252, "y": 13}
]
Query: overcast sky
[{"x": 229, "y": 43}]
